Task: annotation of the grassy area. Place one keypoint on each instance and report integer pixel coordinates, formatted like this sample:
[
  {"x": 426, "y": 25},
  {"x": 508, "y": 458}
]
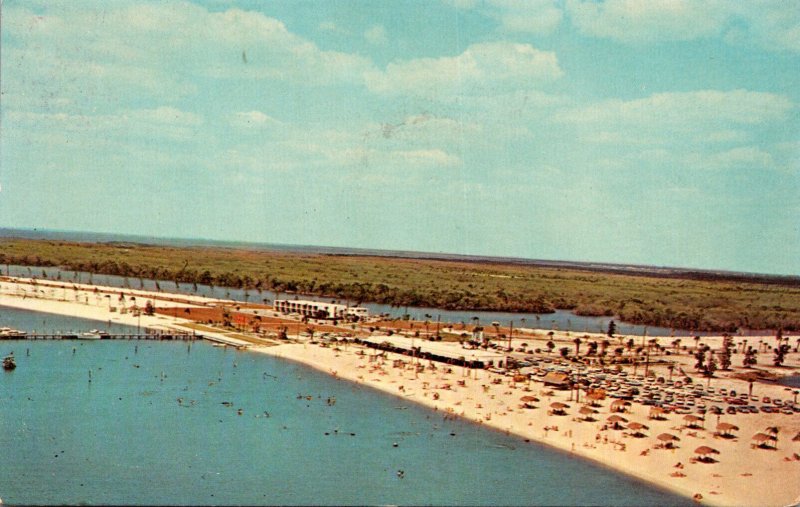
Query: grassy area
[
  {"x": 703, "y": 305},
  {"x": 246, "y": 338}
]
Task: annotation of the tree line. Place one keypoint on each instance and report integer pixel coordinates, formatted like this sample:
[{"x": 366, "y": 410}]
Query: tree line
[{"x": 650, "y": 311}]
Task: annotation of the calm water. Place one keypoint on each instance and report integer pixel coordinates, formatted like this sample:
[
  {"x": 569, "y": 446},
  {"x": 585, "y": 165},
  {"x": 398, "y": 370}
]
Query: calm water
[
  {"x": 124, "y": 437},
  {"x": 561, "y": 319}
]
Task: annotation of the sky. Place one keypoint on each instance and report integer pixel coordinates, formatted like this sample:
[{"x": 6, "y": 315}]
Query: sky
[{"x": 658, "y": 132}]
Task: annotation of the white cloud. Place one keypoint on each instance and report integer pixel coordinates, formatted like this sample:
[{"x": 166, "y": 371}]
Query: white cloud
[
  {"x": 376, "y": 35},
  {"x": 252, "y": 119},
  {"x": 647, "y": 20},
  {"x": 328, "y": 26},
  {"x": 747, "y": 157},
  {"x": 540, "y": 17},
  {"x": 770, "y": 24},
  {"x": 480, "y": 69},
  {"x": 690, "y": 111},
  {"x": 394, "y": 159},
  {"x": 426, "y": 128},
  {"x": 722, "y": 136},
  {"x": 426, "y": 158},
  {"x": 118, "y": 55},
  {"x": 167, "y": 116},
  {"x": 89, "y": 130}
]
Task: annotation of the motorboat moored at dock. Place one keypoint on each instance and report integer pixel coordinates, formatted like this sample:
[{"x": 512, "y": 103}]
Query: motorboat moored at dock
[{"x": 7, "y": 332}]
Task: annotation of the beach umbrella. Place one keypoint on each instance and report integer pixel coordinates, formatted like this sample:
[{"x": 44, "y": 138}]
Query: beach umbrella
[
  {"x": 614, "y": 419},
  {"x": 637, "y": 426},
  {"x": 528, "y": 399},
  {"x": 557, "y": 405},
  {"x": 762, "y": 439},
  {"x": 796, "y": 437},
  {"x": 723, "y": 426},
  {"x": 667, "y": 437},
  {"x": 619, "y": 405},
  {"x": 692, "y": 420},
  {"x": 587, "y": 411},
  {"x": 703, "y": 451}
]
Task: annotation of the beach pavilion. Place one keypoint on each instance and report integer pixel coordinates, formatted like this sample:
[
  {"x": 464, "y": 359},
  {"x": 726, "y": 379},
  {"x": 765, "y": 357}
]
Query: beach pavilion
[
  {"x": 761, "y": 440},
  {"x": 557, "y": 380},
  {"x": 724, "y": 429}
]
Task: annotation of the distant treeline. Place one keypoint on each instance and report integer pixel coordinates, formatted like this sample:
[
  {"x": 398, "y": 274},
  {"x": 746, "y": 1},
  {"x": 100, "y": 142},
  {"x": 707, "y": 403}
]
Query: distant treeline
[
  {"x": 721, "y": 305},
  {"x": 353, "y": 291}
]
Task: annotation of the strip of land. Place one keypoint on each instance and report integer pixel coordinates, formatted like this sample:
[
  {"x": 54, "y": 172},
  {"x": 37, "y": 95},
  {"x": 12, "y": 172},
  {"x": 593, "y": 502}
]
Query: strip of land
[
  {"x": 717, "y": 459},
  {"x": 718, "y": 302}
]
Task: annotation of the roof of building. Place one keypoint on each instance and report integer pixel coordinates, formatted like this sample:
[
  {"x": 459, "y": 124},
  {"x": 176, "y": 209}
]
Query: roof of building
[{"x": 556, "y": 378}]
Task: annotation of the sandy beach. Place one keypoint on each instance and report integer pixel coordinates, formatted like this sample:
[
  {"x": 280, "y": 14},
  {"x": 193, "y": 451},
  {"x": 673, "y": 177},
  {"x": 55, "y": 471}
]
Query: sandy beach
[{"x": 739, "y": 472}]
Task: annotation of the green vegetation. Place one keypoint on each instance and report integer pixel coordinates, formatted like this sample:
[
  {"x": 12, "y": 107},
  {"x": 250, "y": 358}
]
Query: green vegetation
[{"x": 684, "y": 303}]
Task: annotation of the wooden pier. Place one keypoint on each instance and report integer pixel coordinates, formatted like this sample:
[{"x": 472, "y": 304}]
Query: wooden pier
[{"x": 170, "y": 335}]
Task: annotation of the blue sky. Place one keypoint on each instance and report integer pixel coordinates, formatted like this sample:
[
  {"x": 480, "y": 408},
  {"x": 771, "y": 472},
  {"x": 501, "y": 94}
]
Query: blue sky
[{"x": 661, "y": 132}]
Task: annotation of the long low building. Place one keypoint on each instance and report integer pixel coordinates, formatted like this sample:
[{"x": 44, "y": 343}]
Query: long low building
[
  {"x": 439, "y": 351},
  {"x": 320, "y": 309}
]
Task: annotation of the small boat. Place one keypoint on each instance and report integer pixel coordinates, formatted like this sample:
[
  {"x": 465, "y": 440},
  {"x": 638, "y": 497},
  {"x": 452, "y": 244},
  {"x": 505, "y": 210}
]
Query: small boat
[
  {"x": 7, "y": 332},
  {"x": 9, "y": 363},
  {"x": 94, "y": 334}
]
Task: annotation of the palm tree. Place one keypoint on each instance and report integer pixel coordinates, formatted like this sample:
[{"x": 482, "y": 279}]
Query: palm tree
[{"x": 577, "y": 341}]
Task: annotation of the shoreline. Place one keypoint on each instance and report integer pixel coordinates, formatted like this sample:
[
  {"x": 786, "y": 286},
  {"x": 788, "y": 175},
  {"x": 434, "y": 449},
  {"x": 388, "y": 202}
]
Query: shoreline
[
  {"x": 553, "y": 443},
  {"x": 740, "y": 477},
  {"x": 488, "y": 426}
]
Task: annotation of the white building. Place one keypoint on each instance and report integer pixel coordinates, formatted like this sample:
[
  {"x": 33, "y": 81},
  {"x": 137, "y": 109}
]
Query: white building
[{"x": 320, "y": 310}]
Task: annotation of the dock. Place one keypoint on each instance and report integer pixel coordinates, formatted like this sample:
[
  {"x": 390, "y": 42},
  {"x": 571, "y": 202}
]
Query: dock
[{"x": 172, "y": 335}]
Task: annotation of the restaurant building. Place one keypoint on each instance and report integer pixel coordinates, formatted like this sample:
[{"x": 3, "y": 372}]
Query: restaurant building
[{"x": 320, "y": 309}]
